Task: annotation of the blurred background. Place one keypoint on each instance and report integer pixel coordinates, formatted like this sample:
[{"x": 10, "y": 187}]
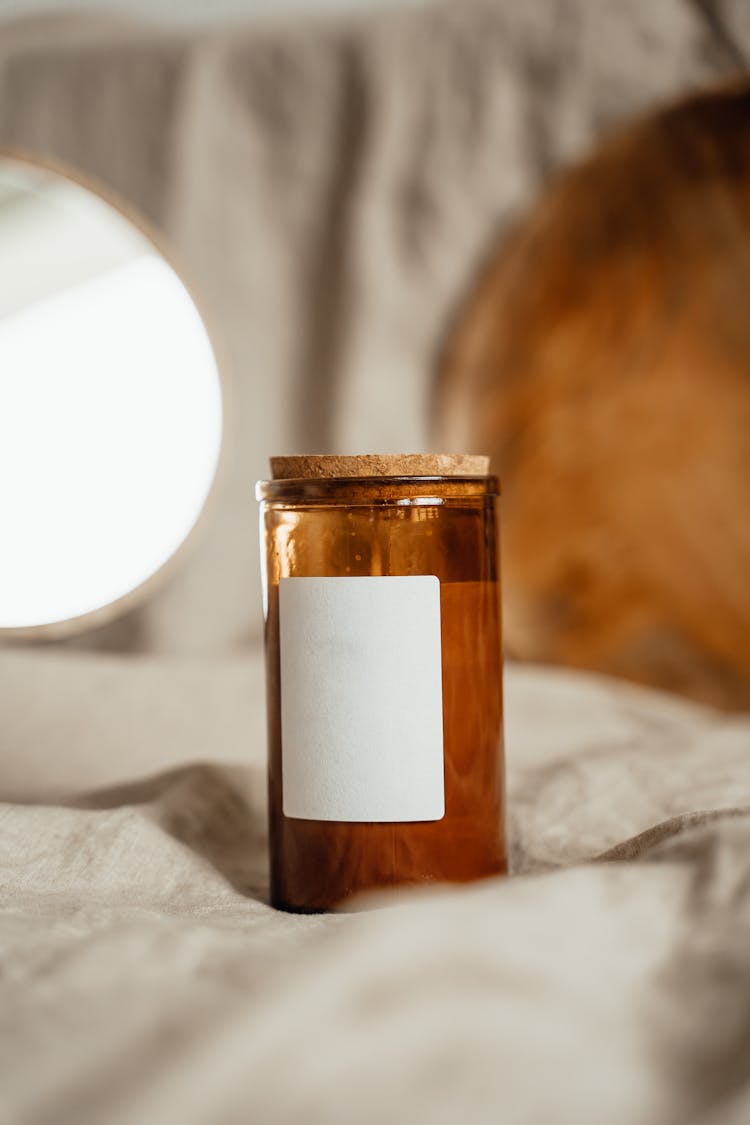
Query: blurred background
[{"x": 330, "y": 180}]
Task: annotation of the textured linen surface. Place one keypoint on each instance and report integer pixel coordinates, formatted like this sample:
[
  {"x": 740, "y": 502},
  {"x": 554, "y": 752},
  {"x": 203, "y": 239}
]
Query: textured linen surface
[
  {"x": 329, "y": 187},
  {"x": 146, "y": 979}
]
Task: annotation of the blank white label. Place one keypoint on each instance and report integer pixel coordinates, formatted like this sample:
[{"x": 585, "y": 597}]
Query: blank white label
[{"x": 361, "y": 698}]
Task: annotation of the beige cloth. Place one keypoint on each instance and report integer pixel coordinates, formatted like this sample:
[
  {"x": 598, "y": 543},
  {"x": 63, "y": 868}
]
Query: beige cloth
[
  {"x": 146, "y": 980},
  {"x": 330, "y": 186}
]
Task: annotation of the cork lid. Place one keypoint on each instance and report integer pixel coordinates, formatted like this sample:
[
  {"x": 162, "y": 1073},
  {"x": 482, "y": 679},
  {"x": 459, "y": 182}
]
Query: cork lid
[{"x": 327, "y": 466}]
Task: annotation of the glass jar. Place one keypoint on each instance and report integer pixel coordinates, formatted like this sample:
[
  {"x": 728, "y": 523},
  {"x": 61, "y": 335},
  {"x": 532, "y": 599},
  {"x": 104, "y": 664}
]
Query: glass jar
[{"x": 384, "y": 685}]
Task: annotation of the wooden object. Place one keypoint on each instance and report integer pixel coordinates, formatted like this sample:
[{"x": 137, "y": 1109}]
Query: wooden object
[{"x": 603, "y": 359}]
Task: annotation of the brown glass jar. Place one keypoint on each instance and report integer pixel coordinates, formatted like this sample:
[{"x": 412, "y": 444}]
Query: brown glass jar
[{"x": 384, "y": 697}]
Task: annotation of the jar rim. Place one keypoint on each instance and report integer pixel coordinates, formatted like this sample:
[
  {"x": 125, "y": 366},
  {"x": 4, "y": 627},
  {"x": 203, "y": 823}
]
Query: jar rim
[{"x": 452, "y": 487}]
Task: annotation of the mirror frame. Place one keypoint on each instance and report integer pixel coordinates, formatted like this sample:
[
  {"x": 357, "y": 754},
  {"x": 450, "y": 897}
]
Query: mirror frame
[{"x": 135, "y": 598}]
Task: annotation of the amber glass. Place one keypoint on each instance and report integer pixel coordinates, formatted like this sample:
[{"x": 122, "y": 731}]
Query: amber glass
[{"x": 444, "y": 526}]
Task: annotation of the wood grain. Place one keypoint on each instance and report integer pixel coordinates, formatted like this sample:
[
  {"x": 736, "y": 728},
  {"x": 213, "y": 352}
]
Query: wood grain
[
  {"x": 603, "y": 358},
  {"x": 380, "y": 465}
]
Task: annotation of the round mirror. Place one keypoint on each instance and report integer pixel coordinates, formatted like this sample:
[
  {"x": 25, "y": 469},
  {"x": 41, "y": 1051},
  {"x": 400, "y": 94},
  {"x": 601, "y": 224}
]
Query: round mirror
[{"x": 110, "y": 406}]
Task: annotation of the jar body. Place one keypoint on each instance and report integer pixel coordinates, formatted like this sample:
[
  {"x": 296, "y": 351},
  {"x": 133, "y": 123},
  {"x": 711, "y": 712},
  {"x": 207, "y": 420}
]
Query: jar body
[{"x": 446, "y": 528}]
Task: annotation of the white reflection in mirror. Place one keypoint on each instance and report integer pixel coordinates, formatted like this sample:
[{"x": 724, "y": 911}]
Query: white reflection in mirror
[{"x": 110, "y": 404}]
